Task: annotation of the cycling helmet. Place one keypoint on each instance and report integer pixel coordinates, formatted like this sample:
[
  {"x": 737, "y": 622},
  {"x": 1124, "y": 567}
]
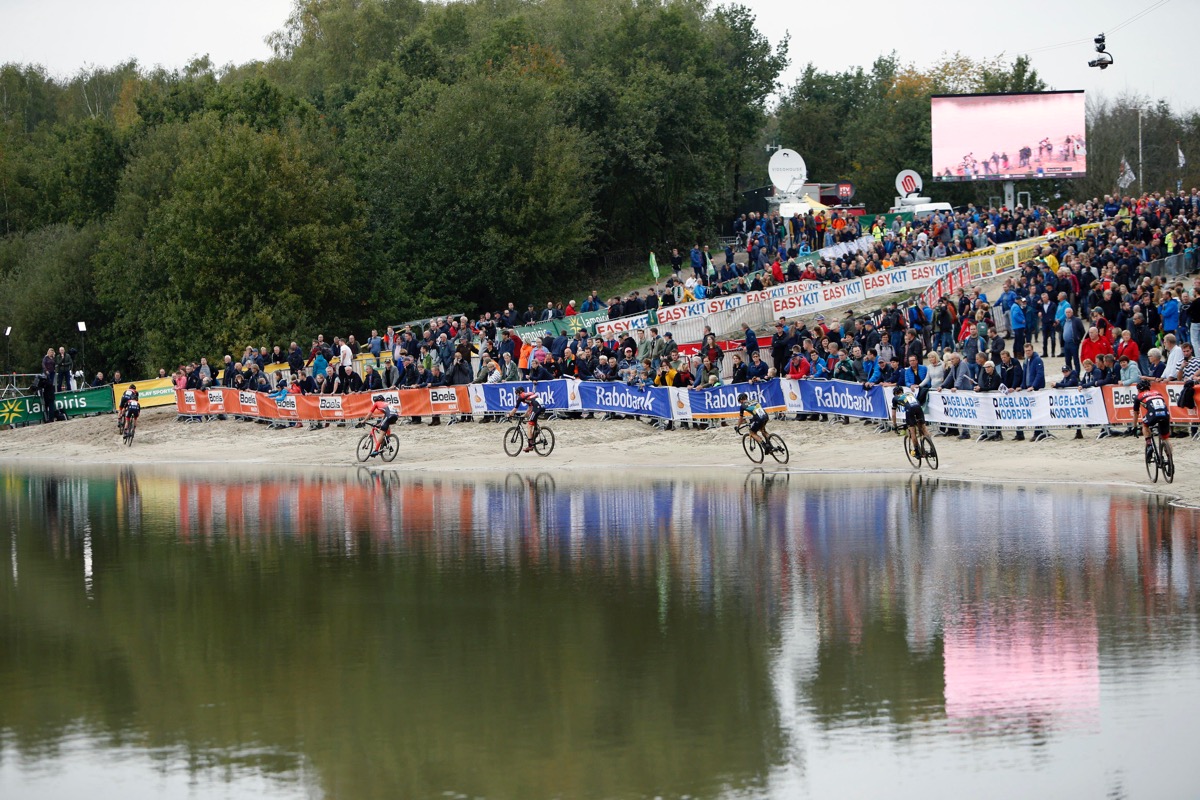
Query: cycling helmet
[
  {"x": 742, "y": 397},
  {"x": 377, "y": 398},
  {"x": 898, "y": 389},
  {"x": 133, "y": 387},
  {"x": 1143, "y": 385}
]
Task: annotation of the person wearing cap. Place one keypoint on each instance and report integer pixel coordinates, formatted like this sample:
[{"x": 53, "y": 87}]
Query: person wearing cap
[{"x": 1070, "y": 379}]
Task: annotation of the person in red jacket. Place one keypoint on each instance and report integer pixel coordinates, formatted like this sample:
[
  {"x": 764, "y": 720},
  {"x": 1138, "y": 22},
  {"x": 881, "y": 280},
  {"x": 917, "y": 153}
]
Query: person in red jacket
[
  {"x": 1094, "y": 345},
  {"x": 1128, "y": 347}
]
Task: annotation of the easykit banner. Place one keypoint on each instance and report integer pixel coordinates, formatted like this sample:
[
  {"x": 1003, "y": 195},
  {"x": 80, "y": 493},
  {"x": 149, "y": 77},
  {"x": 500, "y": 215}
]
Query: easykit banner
[
  {"x": 1118, "y": 401},
  {"x": 1048, "y": 408},
  {"x": 721, "y": 401},
  {"x": 822, "y": 298},
  {"x": 157, "y": 392},
  {"x": 28, "y": 409},
  {"x": 835, "y": 397}
]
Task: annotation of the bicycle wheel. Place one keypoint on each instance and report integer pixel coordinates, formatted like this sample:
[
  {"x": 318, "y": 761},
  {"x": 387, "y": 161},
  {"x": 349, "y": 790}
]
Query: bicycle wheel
[
  {"x": 391, "y": 447},
  {"x": 912, "y": 451},
  {"x": 130, "y": 429},
  {"x": 365, "y": 445},
  {"x": 930, "y": 452},
  {"x": 514, "y": 440},
  {"x": 1168, "y": 462},
  {"x": 779, "y": 449},
  {"x": 543, "y": 445},
  {"x": 753, "y": 451},
  {"x": 1152, "y": 460}
]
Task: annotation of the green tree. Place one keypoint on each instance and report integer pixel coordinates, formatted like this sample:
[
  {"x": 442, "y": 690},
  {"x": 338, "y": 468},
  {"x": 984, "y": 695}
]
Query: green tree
[
  {"x": 483, "y": 194},
  {"x": 224, "y": 235}
]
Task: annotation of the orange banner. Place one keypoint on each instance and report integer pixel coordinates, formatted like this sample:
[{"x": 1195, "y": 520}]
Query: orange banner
[
  {"x": 1118, "y": 400},
  {"x": 321, "y": 407}
]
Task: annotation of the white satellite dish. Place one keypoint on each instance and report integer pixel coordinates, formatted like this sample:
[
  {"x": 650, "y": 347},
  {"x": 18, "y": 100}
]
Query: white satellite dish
[
  {"x": 908, "y": 182},
  {"x": 787, "y": 170}
]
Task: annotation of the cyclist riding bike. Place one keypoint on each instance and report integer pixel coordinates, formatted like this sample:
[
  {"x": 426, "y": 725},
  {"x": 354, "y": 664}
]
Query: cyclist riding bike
[
  {"x": 1158, "y": 414},
  {"x": 389, "y": 413},
  {"x": 758, "y": 420},
  {"x": 914, "y": 417},
  {"x": 529, "y": 398},
  {"x": 130, "y": 407}
]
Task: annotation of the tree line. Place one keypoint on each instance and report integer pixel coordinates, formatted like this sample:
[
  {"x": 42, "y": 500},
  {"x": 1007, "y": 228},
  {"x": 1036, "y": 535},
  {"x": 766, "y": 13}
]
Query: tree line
[{"x": 396, "y": 158}]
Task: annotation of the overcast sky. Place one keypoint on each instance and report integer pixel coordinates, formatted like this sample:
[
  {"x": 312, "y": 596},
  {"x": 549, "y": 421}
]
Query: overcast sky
[{"x": 1151, "y": 53}]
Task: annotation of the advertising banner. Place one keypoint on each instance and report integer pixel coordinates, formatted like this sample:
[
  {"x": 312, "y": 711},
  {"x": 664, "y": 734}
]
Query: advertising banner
[
  {"x": 835, "y": 397},
  {"x": 585, "y": 321},
  {"x": 1118, "y": 402},
  {"x": 157, "y": 392},
  {"x": 721, "y": 401},
  {"x": 322, "y": 407},
  {"x": 500, "y": 398},
  {"x": 535, "y": 333},
  {"x": 619, "y": 398},
  {"x": 1048, "y": 408},
  {"x": 28, "y": 409}
]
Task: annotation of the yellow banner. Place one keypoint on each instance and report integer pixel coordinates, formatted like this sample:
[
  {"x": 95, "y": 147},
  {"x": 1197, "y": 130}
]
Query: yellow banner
[{"x": 157, "y": 392}]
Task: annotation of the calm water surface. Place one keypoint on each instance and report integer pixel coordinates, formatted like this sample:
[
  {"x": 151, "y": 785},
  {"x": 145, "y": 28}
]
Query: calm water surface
[{"x": 186, "y": 634}]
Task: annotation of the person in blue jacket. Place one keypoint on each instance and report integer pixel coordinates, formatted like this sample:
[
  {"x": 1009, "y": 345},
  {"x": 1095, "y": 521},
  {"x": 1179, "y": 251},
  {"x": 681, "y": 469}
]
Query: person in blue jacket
[
  {"x": 1168, "y": 309},
  {"x": 1034, "y": 379}
]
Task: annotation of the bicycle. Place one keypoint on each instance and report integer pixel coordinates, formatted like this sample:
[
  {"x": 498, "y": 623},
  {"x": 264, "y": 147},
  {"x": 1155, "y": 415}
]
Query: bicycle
[
  {"x": 754, "y": 449},
  {"x": 922, "y": 449},
  {"x": 127, "y": 426},
  {"x": 372, "y": 444},
  {"x": 515, "y": 439},
  {"x": 1160, "y": 459}
]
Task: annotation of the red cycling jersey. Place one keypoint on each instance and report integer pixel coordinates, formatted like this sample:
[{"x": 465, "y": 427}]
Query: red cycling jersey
[
  {"x": 385, "y": 409},
  {"x": 1155, "y": 403},
  {"x": 529, "y": 398}
]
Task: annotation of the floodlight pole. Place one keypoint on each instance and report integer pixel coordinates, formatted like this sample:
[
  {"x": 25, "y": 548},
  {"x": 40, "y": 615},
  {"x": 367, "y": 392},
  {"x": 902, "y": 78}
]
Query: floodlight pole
[{"x": 1010, "y": 195}]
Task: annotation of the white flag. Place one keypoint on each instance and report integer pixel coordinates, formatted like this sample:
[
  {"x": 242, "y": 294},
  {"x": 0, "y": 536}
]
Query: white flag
[
  {"x": 1182, "y": 160},
  {"x": 1126, "y": 177}
]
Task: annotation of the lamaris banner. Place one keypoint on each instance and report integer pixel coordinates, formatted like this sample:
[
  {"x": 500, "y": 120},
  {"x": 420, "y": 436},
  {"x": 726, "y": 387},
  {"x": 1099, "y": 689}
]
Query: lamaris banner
[{"x": 25, "y": 410}]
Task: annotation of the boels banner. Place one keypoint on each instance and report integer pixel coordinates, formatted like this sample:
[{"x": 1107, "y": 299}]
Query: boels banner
[
  {"x": 26, "y": 410},
  {"x": 1118, "y": 401},
  {"x": 321, "y": 407}
]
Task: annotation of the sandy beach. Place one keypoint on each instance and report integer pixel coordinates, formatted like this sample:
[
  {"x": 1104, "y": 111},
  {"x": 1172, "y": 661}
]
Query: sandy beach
[{"x": 597, "y": 445}]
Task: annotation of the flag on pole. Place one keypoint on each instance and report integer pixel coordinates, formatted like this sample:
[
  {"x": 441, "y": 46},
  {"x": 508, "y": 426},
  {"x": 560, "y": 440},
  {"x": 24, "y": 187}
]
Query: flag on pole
[
  {"x": 1126, "y": 176},
  {"x": 712, "y": 271},
  {"x": 1182, "y": 160},
  {"x": 653, "y": 265}
]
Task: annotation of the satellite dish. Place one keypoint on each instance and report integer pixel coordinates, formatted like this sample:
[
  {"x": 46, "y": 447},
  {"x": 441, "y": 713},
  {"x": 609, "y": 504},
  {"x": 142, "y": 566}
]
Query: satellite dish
[
  {"x": 787, "y": 170},
  {"x": 908, "y": 182}
]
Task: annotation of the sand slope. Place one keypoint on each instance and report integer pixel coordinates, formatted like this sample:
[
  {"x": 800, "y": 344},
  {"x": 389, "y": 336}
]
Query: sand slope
[{"x": 603, "y": 446}]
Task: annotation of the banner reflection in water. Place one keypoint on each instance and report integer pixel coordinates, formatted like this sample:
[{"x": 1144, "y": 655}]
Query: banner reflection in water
[{"x": 382, "y": 635}]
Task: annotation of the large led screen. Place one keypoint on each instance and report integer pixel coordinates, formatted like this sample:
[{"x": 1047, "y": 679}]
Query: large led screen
[{"x": 1005, "y": 137}]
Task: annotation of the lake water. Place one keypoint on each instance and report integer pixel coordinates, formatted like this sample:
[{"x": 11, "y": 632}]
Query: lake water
[{"x": 173, "y": 633}]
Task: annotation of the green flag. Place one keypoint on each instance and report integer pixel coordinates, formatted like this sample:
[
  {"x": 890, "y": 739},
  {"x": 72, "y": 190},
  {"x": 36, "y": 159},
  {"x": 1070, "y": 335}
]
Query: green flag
[{"x": 653, "y": 265}]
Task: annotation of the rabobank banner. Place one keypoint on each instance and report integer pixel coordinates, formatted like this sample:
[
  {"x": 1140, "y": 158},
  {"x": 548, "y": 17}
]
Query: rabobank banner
[
  {"x": 721, "y": 401},
  {"x": 619, "y": 398},
  {"x": 500, "y": 398},
  {"x": 1043, "y": 409},
  {"x": 836, "y": 397}
]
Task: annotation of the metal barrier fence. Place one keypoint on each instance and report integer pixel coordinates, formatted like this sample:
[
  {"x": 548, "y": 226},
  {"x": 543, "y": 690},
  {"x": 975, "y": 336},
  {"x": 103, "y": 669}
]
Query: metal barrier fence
[{"x": 1173, "y": 266}]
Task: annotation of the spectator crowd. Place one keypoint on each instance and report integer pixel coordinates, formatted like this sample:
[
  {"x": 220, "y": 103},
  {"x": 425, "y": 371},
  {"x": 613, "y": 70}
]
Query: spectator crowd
[{"x": 1093, "y": 298}]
